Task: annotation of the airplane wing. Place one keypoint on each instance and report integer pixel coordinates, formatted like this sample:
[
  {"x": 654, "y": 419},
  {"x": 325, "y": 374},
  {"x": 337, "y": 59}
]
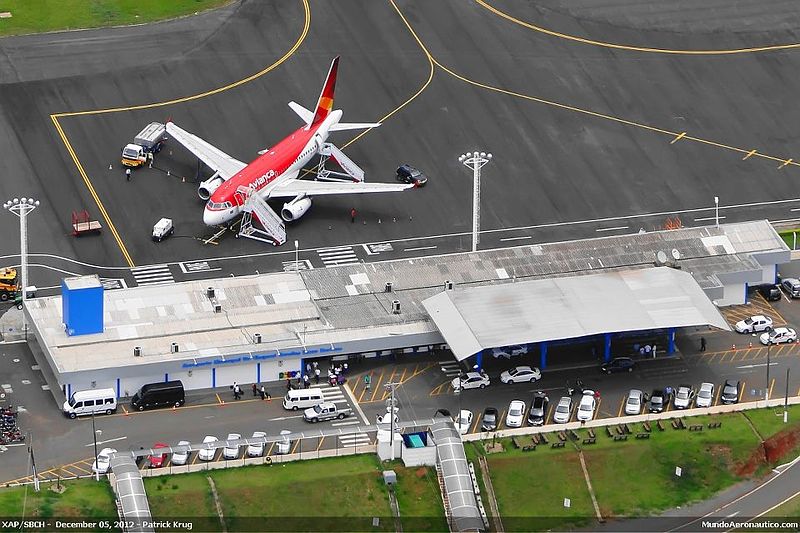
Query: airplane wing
[
  {"x": 212, "y": 156},
  {"x": 342, "y": 126},
  {"x": 294, "y": 187}
]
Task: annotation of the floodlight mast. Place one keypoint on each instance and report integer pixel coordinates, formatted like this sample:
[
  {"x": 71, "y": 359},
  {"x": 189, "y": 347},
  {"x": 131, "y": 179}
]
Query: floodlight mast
[
  {"x": 21, "y": 207},
  {"x": 475, "y": 161}
]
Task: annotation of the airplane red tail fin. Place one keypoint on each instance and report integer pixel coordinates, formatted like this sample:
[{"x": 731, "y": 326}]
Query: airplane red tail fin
[{"x": 325, "y": 103}]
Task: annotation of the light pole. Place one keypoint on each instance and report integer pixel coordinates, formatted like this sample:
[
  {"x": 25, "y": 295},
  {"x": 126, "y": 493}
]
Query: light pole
[
  {"x": 475, "y": 161},
  {"x": 766, "y": 391},
  {"x": 297, "y": 256},
  {"x": 21, "y": 207},
  {"x": 391, "y": 411},
  {"x": 716, "y": 209},
  {"x": 94, "y": 437}
]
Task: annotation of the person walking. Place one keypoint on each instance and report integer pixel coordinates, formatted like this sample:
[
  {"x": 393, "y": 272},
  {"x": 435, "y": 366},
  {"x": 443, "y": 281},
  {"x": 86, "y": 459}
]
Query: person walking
[
  {"x": 288, "y": 384},
  {"x": 316, "y": 375},
  {"x": 128, "y": 174},
  {"x": 344, "y": 369},
  {"x": 315, "y": 364},
  {"x": 237, "y": 391},
  {"x": 308, "y": 368},
  {"x": 255, "y": 390},
  {"x": 306, "y": 381},
  {"x": 262, "y": 392},
  {"x": 702, "y": 344},
  {"x": 353, "y": 215},
  {"x": 367, "y": 381}
]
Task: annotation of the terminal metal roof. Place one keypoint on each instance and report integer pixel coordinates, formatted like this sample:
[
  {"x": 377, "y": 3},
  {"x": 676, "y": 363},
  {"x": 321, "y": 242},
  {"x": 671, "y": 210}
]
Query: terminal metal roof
[
  {"x": 464, "y": 512},
  {"x": 523, "y": 312},
  {"x": 350, "y": 303}
]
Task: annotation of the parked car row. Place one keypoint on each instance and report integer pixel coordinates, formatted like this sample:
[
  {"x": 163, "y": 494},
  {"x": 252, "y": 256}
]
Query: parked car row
[{"x": 481, "y": 380}]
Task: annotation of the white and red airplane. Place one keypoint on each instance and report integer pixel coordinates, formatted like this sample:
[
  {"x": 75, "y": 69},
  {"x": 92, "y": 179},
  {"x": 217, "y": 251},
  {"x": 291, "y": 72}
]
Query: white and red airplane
[{"x": 274, "y": 173}]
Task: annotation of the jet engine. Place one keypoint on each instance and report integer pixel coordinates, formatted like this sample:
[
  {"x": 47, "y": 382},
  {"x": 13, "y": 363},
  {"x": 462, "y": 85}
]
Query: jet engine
[
  {"x": 207, "y": 187},
  {"x": 296, "y": 208}
]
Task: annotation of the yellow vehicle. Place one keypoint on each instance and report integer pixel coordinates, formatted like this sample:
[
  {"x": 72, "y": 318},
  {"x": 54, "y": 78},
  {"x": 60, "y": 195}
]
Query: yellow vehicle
[{"x": 8, "y": 283}]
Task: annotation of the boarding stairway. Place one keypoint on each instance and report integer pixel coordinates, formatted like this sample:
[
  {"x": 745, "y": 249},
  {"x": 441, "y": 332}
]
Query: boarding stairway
[
  {"x": 352, "y": 172},
  {"x": 256, "y": 212}
]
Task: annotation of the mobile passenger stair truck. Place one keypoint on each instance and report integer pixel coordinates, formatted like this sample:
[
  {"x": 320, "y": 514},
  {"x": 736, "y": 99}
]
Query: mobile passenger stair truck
[
  {"x": 255, "y": 209},
  {"x": 147, "y": 142}
]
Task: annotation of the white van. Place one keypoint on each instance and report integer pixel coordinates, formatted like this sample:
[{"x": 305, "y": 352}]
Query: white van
[
  {"x": 86, "y": 402},
  {"x": 302, "y": 399}
]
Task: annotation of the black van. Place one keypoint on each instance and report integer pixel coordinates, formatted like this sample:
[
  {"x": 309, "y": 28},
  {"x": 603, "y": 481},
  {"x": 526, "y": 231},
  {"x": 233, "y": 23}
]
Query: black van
[{"x": 164, "y": 394}]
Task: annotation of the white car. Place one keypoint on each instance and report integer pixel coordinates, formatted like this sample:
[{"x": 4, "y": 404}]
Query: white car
[
  {"x": 284, "y": 444},
  {"x": 586, "y": 406},
  {"x": 779, "y": 335},
  {"x": 181, "y": 458},
  {"x": 464, "y": 422},
  {"x": 633, "y": 405},
  {"x": 207, "y": 454},
  {"x": 683, "y": 397},
  {"x": 705, "y": 396},
  {"x": 563, "y": 410},
  {"x": 231, "y": 451},
  {"x": 516, "y": 414},
  {"x": 470, "y": 380},
  {"x": 754, "y": 324},
  {"x": 256, "y": 449},
  {"x": 103, "y": 461},
  {"x": 509, "y": 352},
  {"x": 521, "y": 374}
]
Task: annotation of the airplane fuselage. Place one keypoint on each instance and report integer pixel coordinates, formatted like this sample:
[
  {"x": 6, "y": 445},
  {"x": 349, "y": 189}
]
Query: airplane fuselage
[{"x": 268, "y": 170}]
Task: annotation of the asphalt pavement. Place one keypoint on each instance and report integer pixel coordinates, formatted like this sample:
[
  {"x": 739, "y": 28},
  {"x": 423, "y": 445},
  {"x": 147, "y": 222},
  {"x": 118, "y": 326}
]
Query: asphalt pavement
[{"x": 587, "y": 130}]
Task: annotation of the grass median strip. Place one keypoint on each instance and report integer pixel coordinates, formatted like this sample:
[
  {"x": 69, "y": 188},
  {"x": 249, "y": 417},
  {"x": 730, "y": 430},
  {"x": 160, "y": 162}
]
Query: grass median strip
[{"x": 36, "y": 16}]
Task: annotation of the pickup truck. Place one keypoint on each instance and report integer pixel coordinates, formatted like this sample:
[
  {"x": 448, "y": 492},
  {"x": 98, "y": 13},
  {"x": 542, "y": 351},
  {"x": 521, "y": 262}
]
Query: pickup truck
[{"x": 325, "y": 411}]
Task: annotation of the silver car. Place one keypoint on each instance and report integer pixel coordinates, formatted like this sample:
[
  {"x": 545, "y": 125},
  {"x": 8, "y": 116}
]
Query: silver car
[
  {"x": 563, "y": 410},
  {"x": 705, "y": 396},
  {"x": 633, "y": 404}
]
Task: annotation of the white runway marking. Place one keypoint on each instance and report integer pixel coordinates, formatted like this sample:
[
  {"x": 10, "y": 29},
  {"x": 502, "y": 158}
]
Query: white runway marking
[
  {"x": 516, "y": 238},
  {"x": 612, "y": 229},
  {"x": 151, "y": 275}
]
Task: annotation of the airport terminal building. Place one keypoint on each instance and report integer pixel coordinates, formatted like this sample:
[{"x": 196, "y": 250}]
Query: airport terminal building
[{"x": 263, "y": 328}]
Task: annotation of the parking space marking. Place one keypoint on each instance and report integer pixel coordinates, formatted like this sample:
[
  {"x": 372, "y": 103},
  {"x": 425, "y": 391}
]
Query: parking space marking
[
  {"x": 321, "y": 440},
  {"x": 474, "y": 425},
  {"x": 502, "y": 417},
  {"x": 124, "y": 411},
  {"x": 741, "y": 392},
  {"x": 377, "y": 387},
  {"x": 716, "y": 397},
  {"x": 621, "y": 406},
  {"x": 296, "y": 444},
  {"x": 771, "y": 385},
  {"x": 271, "y": 446},
  {"x": 219, "y": 400}
]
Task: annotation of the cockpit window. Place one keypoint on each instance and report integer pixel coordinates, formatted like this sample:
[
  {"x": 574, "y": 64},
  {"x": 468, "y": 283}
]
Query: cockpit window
[{"x": 218, "y": 206}]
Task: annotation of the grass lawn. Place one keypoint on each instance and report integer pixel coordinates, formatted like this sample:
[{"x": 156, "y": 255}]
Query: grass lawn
[
  {"x": 709, "y": 460},
  {"x": 630, "y": 478},
  {"x": 36, "y": 16},
  {"x": 337, "y": 494},
  {"x": 349, "y": 490},
  {"x": 85, "y": 498},
  {"x": 419, "y": 498},
  {"x": 788, "y": 237},
  {"x": 768, "y": 422},
  {"x": 181, "y": 496}
]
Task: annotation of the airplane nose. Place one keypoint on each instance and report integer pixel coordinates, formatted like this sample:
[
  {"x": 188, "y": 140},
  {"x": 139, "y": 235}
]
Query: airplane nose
[{"x": 210, "y": 218}]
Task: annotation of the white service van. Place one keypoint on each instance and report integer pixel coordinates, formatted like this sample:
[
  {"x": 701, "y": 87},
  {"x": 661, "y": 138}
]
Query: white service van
[
  {"x": 86, "y": 402},
  {"x": 302, "y": 399}
]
